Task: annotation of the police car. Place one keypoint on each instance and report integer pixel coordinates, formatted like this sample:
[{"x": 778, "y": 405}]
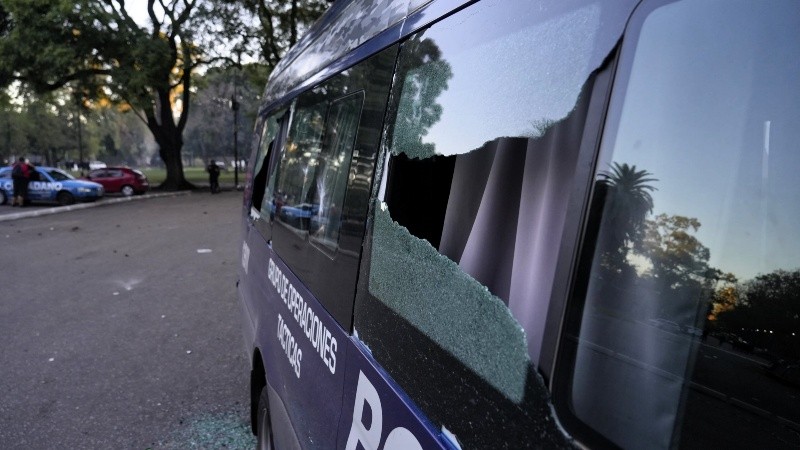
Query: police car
[{"x": 51, "y": 185}]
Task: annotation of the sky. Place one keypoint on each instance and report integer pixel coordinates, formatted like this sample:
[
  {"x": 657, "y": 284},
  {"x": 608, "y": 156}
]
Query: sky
[
  {"x": 712, "y": 113},
  {"x": 138, "y": 10}
]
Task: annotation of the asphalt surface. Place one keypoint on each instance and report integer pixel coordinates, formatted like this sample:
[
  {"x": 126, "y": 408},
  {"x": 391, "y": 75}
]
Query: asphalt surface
[{"x": 119, "y": 326}]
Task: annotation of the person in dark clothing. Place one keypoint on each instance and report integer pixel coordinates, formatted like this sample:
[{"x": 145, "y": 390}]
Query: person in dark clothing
[
  {"x": 213, "y": 176},
  {"x": 21, "y": 174}
]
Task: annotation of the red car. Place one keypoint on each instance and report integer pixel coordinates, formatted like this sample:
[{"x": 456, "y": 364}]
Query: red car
[{"x": 120, "y": 179}]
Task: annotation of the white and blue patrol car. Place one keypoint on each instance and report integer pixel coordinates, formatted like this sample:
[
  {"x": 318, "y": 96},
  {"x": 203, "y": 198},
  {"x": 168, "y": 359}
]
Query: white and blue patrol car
[{"x": 51, "y": 185}]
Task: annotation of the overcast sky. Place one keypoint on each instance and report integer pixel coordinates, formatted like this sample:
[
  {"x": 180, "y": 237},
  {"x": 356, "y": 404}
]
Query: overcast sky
[{"x": 138, "y": 10}]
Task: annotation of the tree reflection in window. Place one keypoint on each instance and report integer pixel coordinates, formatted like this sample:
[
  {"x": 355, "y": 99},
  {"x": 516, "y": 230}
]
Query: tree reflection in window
[{"x": 687, "y": 305}]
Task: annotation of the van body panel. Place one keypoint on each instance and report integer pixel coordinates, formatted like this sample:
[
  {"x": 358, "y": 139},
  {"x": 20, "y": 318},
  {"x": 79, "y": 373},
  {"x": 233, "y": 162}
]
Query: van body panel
[
  {"x": 541, "y": 238},
  {"x": 397, "y": 412},
  {"x": 303, "y": 348}
]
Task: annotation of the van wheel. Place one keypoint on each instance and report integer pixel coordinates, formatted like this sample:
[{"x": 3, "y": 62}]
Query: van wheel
[
  {"x": 127, "y": 191},
  {"x": 65, "y": 198},
  {"x": 3, "y": 198},
  {"x": 264, "y": 426}
]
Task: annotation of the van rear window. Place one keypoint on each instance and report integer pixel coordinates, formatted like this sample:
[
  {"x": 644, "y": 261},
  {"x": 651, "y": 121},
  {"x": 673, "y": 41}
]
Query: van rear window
[{"x": 685, "y": 330}]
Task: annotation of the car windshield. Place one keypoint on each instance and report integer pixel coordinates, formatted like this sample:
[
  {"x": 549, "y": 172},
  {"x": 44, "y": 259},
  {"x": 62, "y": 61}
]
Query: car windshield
[{"x": 59, "y": 175}]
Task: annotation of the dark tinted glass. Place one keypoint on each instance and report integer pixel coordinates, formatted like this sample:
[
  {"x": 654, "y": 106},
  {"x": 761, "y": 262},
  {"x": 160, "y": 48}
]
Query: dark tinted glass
[
  {"x": 319, "y": 192},
  {"x": 687, "y": 331},
  {"x": 332, "y": 168}
]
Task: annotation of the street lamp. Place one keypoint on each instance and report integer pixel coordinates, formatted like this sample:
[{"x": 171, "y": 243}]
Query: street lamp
[
  {"x": 235, "y": 108},
  {"x": 80, "y": 133}
]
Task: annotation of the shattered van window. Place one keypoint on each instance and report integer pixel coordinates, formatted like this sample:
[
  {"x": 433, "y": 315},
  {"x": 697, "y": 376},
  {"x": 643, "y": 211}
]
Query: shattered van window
[
  {"x": 264, "y": 180},
  {"x": 516, "y": 78},
  {"x": 487, "y": 116},
  {"x": 483, "y": 136},
  {"x": 461, "y": 315}
]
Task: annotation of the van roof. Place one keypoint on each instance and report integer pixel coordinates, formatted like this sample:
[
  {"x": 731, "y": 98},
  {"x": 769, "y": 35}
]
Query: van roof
[{"x": 345, "y": 25}]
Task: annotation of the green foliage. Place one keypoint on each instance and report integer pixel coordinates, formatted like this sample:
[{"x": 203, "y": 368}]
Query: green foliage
[
  {"x": 37, "y": 126},
  {"x": 267, "y": 28},
  {"x": 209, "y": 132},
  {"x": 677, "y": 256},
  {"x": 767, "y": 313},
  {"x": 95, "y": 48},
  {"x": 195, "y": 175}
]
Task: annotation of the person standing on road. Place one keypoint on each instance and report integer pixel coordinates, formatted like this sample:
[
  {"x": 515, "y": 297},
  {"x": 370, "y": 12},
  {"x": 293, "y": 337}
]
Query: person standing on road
[
  {"x": 213, "y": 176},
  {"x": 20, "y": 175}
]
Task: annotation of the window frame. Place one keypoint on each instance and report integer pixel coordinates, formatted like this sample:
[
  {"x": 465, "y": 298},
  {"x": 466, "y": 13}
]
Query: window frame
[
  {"x": 282, "y": 115},
  {"x": 574, "y": 265},
  {"x": 332, "y": 277}
]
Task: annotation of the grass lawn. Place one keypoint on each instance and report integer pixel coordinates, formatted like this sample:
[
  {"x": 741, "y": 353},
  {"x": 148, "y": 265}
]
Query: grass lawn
[{"x": 195, "y": 175}]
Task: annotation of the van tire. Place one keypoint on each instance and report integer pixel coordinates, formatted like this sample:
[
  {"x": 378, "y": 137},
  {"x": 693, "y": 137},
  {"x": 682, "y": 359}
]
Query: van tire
[
  {"x": 257, "y": 384},
  {"x": 65, "y": 198},
  {"x": 264, "y": 434},
  {"x": 3, "y": 197}
]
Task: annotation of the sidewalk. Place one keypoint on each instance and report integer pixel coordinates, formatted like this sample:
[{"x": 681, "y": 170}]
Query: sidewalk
[{"x": 8, "y": 212}]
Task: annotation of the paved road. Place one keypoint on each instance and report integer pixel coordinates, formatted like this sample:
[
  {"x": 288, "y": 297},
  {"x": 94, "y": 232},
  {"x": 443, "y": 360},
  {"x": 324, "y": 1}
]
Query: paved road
[{"x": 119, "y": 327}]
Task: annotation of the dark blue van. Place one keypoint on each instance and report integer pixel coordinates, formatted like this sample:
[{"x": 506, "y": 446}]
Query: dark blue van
[{"x": 527, "y": 224}]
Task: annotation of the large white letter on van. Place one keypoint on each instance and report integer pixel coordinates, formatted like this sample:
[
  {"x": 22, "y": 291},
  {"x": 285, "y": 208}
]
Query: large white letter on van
[
  {"x": 370, "y": 438},
  {"x": 401, "y": 439},
  {"x": 398, "y": 439}
]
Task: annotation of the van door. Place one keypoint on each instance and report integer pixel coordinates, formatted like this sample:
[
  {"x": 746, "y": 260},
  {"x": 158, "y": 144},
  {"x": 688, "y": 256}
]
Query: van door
[{"x": 303, "y": 242}]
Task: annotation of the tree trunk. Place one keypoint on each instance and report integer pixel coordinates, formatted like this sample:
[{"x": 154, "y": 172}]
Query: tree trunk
[
  {"x": 169, "y": 138},
  {"x": 170, "y": 152}
]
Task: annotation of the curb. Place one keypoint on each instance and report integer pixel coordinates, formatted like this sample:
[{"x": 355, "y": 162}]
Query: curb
[{"x": 75, "y": 207}]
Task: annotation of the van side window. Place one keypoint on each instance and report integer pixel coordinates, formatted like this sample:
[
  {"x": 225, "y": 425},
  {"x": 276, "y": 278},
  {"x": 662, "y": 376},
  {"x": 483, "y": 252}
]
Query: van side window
[
  {"x": 332, "y": 169},
  {"x": 298, "y": 165},
  {"x": 264, "y": 170},
  {"x": 483, "y": 141},
  {"x": 314, "y": 170},
  {"x": 319, "y": 193},
  {"x": 684, "y": 325}
]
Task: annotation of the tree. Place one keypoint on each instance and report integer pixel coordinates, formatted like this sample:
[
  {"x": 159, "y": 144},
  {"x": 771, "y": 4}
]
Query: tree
[
  {"x": 625, "y": 192},
  {"x": 95, "y": 48},
  {"x": 425, "y": 76},
  {"x": 210, "y": 126},
  {"x": 678, "y": 257},
  {"x": 267, "y": 28},
  {"x": 98, "y": 49},
  {"x": 36, "y": 125},
  {"x": 767, "y": 312}
]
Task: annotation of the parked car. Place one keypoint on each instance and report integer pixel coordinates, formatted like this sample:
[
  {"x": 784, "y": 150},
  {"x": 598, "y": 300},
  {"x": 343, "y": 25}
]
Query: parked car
[
  {"x": 786, "y": 370},
  {"x": 298, "y": 215},
  {"x": 693, "y": 331},
  {"x": 97, "y": 165},
  {"x": 666, "y": 325},
  {"x": 123, "y": 180},
  {"x": 52, "y": 185}
]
